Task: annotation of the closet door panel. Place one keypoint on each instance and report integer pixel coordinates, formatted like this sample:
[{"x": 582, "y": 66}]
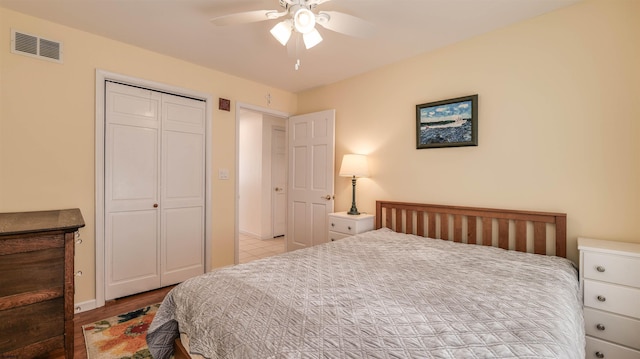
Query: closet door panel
[
  {"x": 184, "y": 171},
  {"x": 132, "y": 252},
  {"x": 183, "y": 190},
  {"x": 132, "y": 175},
  {"x": 183, "y": 244},
  {"x": 133, "y": 165}
]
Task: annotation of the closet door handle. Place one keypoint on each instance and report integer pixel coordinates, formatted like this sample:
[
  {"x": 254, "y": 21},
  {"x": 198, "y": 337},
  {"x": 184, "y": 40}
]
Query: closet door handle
[{"x": 155, "y": 205}]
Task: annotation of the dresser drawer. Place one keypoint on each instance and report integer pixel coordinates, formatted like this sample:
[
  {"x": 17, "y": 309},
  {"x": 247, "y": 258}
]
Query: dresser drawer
[
  {"x": 612, "y": 327},
  {"x": 32, "y": 324},
  {"x": 600, "y": 349},
  {"x": 612, "y": 298},
  {"x": 612, "y": 268},
  {"x": 31, "y": 271},
  {"x": 334, "y": 236}
]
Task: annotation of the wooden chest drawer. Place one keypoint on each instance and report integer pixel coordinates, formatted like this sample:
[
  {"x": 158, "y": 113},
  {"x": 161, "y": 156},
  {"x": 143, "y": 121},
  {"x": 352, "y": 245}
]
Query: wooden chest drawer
[
  {"x": 599, "y": 349},
  {"x": 612, "y": 298},
  {"x": 29, "y": 324},
  {"x": 612, "y": 268},
  {"x": 612, "y": 327},
  {"x": 43, "y": 269}
]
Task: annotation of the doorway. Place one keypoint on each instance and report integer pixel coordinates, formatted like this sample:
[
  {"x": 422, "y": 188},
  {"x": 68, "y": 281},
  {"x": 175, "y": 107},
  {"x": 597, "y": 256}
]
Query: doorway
[{"x": 261, "y": 172}]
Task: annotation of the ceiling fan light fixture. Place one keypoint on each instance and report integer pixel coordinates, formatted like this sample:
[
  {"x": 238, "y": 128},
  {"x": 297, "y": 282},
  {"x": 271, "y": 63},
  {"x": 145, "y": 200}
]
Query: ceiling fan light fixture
[
  {"x": 311, "y": 38},
  {"x": 304, "y": 20},
  {"x": 282, "y": 32}
]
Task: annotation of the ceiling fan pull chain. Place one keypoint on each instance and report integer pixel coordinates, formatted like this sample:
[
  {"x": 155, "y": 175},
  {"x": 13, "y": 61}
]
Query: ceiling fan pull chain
[{"x": 297, "y": 66}]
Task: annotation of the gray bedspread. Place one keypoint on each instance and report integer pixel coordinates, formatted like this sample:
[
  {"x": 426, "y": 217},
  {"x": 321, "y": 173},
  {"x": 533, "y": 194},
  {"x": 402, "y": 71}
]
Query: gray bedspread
[{"x": 379, "y": 295}]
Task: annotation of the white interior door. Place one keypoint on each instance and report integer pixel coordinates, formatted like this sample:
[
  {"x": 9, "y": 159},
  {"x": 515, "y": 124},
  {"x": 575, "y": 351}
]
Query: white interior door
[
  {"x": 132, "y": 162},
  {"x": 182, "y": 204},
  {"x": 279, "y": 181},
  {"x": 311, "y": 164}
]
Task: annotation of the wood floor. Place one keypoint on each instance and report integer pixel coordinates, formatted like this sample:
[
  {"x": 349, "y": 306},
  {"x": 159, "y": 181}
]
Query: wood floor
[
  {"x": 251, "y": 249},
  {"x": 111, "y": 309}
]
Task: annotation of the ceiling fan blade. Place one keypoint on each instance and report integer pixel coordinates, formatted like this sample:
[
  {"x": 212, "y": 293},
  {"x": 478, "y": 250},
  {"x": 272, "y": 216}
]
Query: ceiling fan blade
[
  {"x": 345, "y": 24},
  {"x": 247, "y": 17}
]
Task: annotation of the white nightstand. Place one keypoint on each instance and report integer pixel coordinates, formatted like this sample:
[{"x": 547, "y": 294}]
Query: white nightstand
[
  {"x": 343, "y": 225},
  {"x": 610, "y": 280}
]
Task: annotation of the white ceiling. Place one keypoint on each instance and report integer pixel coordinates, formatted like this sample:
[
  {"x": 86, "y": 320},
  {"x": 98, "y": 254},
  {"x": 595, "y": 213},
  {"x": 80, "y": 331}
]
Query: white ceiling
[{"x": 182, "y": 29}]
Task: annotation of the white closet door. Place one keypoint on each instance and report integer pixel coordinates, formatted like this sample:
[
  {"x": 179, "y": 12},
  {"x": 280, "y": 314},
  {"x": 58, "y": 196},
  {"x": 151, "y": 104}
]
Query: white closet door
[
  {"x": 183, "y": 190},
  {"x": 131, "y": 190},
  {"x": 154, "y": 189}
]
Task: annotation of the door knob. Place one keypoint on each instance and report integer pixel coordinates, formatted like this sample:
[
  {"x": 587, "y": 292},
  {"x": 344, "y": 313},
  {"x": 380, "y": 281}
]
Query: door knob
[
  {"x": 155, "y": 205},
  {"x": 278, "y": 189},
  {"x": 327, "y": 197}
]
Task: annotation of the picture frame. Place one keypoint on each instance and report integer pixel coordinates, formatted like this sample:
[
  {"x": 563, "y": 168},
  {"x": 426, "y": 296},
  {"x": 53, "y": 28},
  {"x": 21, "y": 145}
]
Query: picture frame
[{"x": 447, "y": 123}]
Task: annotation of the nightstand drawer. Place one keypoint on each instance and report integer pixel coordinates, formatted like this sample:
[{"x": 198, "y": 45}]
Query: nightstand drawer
[
  {"x": 612, "y": 327},
  {"x": 612, "y": 268},
  {"x": 342, "y": 225},
  {"x": 600, "y": 349},
  {"x": 612, "y": 298},
  {"x": 334, "y": 236}
]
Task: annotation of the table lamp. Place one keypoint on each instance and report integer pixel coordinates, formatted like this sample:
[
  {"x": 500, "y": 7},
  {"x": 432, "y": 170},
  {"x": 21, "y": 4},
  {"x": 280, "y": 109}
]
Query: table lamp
[{"x": 354, "y": 166}]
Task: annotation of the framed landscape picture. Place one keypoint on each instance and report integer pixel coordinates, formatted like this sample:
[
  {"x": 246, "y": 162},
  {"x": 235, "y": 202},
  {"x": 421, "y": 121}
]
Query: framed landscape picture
[{"x": 447, "y": 123}]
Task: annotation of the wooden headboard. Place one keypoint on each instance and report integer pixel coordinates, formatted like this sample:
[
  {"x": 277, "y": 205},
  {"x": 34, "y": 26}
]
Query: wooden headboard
[{"x": 523, "y": 231}]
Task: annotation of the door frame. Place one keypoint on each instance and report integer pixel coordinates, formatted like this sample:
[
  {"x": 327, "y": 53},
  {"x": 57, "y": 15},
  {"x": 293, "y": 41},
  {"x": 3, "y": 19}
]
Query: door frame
[
  {"x": 101, "y": 77},
  {"x": 264, "y": 111}
]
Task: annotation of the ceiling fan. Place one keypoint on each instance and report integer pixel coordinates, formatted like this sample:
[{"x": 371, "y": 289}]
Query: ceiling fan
[{"x": 302, "y": 18}]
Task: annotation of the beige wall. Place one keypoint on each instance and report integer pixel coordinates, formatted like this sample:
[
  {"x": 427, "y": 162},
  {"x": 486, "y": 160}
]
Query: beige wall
[
  {"x": 557, "y": 126},
  {"x": 47, "y": 119},
  {"x": 559, "y": 122}
]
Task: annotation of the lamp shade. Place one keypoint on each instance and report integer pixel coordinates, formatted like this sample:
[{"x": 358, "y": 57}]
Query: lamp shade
[
  {"x": 311, "y": 39},
  {"x": 354, "y": 165},
  {"x": 282, "y": 31}
]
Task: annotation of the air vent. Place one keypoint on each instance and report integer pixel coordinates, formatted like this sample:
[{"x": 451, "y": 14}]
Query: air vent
[{"x": 34, "y": 46}]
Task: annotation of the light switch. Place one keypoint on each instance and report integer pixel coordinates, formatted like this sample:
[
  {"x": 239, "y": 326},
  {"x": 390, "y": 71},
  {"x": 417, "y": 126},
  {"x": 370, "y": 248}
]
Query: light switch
[{"x": 223, "y": 174}]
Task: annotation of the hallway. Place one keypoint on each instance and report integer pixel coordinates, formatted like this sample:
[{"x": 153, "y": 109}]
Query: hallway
[{"x": 252, "y": 248}]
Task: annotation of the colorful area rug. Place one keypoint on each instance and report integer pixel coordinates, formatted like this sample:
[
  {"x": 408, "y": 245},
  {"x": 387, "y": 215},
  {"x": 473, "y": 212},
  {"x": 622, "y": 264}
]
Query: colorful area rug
[{"x": 120, "y": 337}]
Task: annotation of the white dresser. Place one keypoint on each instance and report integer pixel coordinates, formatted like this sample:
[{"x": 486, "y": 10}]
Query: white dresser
[
  {"x": 343, "y": 225},
  {"x": 610, "y": 280}
]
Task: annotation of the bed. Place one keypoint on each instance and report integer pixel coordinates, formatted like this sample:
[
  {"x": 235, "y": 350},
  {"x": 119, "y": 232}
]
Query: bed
[{"x": 430, "y": 281}]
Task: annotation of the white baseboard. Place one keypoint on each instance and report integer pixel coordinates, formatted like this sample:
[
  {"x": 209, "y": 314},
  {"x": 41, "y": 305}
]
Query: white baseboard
[{"x": 85, "y": 306}]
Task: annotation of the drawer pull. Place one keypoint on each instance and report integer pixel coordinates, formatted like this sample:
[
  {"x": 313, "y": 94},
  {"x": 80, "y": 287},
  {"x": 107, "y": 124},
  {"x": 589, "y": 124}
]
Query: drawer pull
[
  {"x": 79, "y": 241},
  {"x": 79, "y": 273},
  {"x": 600, "y": 269},
  {"x": 599, "y": 355},
  {"x": 601, "y": 298},
  {"x": 600, "y": 326}
]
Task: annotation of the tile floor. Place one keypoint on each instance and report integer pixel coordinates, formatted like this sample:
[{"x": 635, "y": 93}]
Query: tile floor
[{"x": 252, "y": 248}]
